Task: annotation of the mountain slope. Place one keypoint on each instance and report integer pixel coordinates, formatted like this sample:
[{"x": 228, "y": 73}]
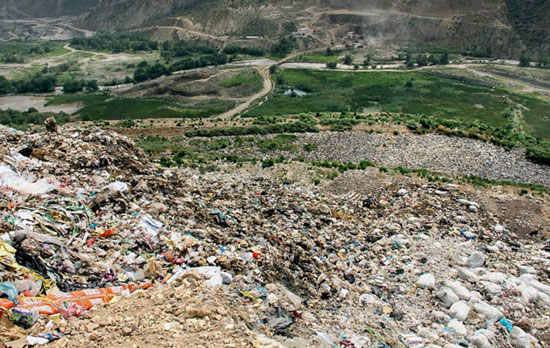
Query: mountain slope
[
  {"x": 505, "y": 27},
  {"x": 21, "y": 9}
]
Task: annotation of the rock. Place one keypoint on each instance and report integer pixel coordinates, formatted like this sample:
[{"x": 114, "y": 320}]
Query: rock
[
  {"x": 458, "y": 327},
  {"x": 476, "y": 260},
  {"x": 460, "y": 310},
  {"x": 366, "y": 299},
  {"x": 195, "y": 311},
  {"x": 426, "y": 281},
  {"x": 402, "y": 192},
  {"x": 126, "y": 331},
  {"x": 51, "y": 125}
]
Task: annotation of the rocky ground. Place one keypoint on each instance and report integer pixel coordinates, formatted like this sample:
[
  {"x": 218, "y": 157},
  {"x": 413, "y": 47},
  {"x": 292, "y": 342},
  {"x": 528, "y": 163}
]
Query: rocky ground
[
  {"x": 240, "y": 258},
  {"x": 444, "y": 154}
]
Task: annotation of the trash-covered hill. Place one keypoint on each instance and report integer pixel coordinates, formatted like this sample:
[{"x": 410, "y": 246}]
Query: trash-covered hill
[{"x": 101, "y": 247}]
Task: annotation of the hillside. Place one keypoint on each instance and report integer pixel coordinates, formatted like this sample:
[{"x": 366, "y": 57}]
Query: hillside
[
  {"x": 504, "y": 27},
  {"x": 22, "y": 9}
]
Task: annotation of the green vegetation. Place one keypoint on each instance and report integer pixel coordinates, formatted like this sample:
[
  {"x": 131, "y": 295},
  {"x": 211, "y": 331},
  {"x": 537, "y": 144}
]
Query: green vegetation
[
  {"x": 182, "y": 48},
  {"x": 524, "y": 61},
  {"x": 114, "y": 42},
  {"x": 296, "y": 127},
  {"x": 21, "y": 120},
  {"x": 149, "y": 72},
  {"x": 20, "y": 51},
  {"x": 281, "y": 142},
  {"x": 283, "y": 48},
  {"x": 105, "y": 107},
  {"x": 317, "y": 58},
  {"x": 250, "y": 51},
  {"x": 203, "y": 153},
  {"x": 348, "y": 59},
  {"x": 428, "y": 94},
  {"x": 37, "y": 83},
  {"x": 245, "y": 77}
]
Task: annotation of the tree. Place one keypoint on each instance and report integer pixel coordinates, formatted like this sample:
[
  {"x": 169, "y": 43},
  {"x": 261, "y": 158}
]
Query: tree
[
  {"x": 273, "y": 69},
  {"x": 92, "y": 85},
  {"x": 367, "y": 60},
  {"x": 329, "y": 52},
  {"x": 422, "y": 60},
  {"x": 409, "y": 60},
  {"x": 544, "y": 62},
  {"x": 524, "y": 60},
  {"x": 332, "y": 65},
  {"x": 73, "y": 86},
  {"x": 348, "y": 59},
  {"x": 444, "y": 59},
  {"x": 5, "y": 86}
]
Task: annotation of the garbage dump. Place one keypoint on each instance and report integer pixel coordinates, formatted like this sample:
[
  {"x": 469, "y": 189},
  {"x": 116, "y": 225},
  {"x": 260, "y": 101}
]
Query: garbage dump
[{"x": 101, "y": 247}]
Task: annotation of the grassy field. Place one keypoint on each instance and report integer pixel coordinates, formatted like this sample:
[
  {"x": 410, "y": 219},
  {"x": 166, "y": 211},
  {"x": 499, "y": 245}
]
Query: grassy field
[
  {"x": 317, "y": 58},
  {"x": 417, "y": 93},
  {"x": 20, "y": 51},
  {"x": 105, "y": 107},
  {"x": 245, "y": 77}
]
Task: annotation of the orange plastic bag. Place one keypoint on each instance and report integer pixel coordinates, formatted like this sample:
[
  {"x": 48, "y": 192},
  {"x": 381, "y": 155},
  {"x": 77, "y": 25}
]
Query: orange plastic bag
[
  {"x": 5, "y": 303},
  {"x": 51, "y": 304}
]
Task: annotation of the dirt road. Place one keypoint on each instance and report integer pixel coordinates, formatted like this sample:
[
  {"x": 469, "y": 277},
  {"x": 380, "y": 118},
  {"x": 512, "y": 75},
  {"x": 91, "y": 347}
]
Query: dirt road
[{"x": 267, "y": 88}]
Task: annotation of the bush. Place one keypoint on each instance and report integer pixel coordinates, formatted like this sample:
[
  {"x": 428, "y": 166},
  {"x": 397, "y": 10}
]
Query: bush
[
  {"x": 348, "y": 59},
  {"x": 73, "y": 86},
  {"x": 310, "y": 147}
]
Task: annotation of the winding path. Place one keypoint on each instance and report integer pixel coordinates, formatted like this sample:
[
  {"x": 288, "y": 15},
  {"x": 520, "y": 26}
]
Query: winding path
[{"x": 267, "y": 88}]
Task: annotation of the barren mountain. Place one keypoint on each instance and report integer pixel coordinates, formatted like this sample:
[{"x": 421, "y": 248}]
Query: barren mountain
[
  {"x": 504, "y": 27},
  {"x": 23, "y": 9}
]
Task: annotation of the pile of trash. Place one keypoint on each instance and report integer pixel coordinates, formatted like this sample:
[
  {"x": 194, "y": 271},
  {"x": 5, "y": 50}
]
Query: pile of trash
[{"x": 86, "y": 220}]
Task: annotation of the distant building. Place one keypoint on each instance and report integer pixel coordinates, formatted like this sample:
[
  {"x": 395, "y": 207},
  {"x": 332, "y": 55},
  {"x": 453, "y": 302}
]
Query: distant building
[
  {"x": 351, "y": 35},
  {"x": 253, "y": 37}
]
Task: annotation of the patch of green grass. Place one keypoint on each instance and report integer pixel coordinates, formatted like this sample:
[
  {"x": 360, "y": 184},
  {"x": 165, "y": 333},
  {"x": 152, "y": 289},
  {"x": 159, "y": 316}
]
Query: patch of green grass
[
  {"x": 246, "y": 77},
  {"x": 317, "y": 58},
  {"x": 106, "y": 107},
  {"x": 536, "y": 115},
  {"x": 332, "y": 91},
  {"x": 21, "y": 51},
  {"x": 294, "y": 127},
  {"x": 281, "y": 142},
  {"x": 154, "y": 145}
]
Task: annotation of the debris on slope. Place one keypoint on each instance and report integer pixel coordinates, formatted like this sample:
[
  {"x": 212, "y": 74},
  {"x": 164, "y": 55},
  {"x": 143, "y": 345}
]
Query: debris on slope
[{"x": 244, "y": 260}]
